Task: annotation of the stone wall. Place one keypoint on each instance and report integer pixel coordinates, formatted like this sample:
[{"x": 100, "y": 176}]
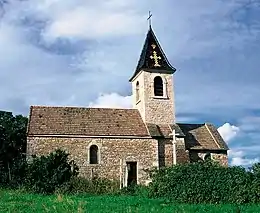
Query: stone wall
[
  {"x": 139, "y": 104},
  {"x": 219, "y": 156},
  {"x": 222, "y": 158},
  {"x": 157, "y": 110},
  {"x": 182, "y": 155},
  {"x": 165, "y": 150},
  {"x": 114, "y": 153}
]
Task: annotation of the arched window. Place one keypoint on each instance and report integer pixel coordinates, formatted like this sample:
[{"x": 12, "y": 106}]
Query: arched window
[
  {"x": 207, "y": 157},
  {"x": 158, "y": 86},
  {"x": 137, "y": 91},
  {"x": 93, "y": 154}
]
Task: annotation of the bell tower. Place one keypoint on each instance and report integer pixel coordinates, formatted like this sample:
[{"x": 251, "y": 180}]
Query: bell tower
[{"x": 152, "y": 84}]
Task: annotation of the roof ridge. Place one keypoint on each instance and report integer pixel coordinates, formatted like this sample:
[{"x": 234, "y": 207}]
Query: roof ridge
[
  {"x": 169, "y": 125},
  {"x": 212, "y": 135},
  {"x": 29, "y": 123},
  {"x": 163, "y": 53},
  {"x": 146, "y": 126},
  {"x": 79, "y": 107},
  {"x": 190, "y": 123}
]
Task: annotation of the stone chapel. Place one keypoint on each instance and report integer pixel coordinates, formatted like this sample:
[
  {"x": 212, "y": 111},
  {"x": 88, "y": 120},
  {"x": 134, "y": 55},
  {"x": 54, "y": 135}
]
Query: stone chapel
[{"x": 121, "y": 144}]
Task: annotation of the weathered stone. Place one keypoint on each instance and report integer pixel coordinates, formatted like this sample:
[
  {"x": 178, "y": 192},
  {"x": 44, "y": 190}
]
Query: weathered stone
[
  {"x": 165, "y": 149},
  {"x": 113, "y": 154},
  {"x": 157, "y": 110}
]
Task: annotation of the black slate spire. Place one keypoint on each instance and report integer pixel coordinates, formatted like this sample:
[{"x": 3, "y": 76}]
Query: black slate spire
[{"x": 152, "y": 57}]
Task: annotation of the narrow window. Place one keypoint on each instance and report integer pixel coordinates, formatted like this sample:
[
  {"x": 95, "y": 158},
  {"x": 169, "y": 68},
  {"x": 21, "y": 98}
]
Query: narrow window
[
  {"x": 137, "y": 91},
  {"x": 93, "y": 154},
  {"x": 158, "y": 86}
]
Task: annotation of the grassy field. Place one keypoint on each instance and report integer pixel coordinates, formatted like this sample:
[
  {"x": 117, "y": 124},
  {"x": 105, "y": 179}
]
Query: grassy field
[{"x": 15, "y": 201}]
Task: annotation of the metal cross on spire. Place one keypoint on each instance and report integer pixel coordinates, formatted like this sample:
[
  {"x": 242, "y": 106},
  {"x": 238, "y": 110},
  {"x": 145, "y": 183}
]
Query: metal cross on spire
[{"x": 150, "y": 18}]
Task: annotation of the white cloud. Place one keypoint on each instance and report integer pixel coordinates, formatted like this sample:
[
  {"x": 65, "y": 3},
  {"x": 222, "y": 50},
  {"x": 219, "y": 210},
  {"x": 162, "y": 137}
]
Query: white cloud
[
  {"x": 34, "y": 74},
  {"x": 88, "y": 24},
  {"x": 32, "y": 71},
  {"x": 112, "y": 100},
  {"x": 113, "y": 20},
  {"x": 238, "y": 158},
  {"x": 104, "y": 26},
  {"x": 228, "y": 131},
  {"x": 80, "y": 19},
  {"x": 238, "y": 161},
  {"x": 250, "y": 123}
]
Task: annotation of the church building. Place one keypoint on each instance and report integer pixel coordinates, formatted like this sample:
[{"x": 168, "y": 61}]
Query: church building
[{"x": 122, "y": 144}]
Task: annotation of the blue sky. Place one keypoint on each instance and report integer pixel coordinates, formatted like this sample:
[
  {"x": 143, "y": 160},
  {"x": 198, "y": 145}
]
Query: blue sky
[{"x": 82, "y": 53}]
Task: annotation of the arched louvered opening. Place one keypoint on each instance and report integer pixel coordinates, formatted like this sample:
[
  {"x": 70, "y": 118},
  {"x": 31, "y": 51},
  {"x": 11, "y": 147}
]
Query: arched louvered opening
[
  {"x": 137, "y": 91},
  {"x": 158, "y": 86},
  {"x": 93, "y": 154}
]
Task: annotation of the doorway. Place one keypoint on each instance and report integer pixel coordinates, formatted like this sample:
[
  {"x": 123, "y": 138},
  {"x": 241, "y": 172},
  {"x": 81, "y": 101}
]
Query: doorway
[{"x": 131, "y": 173}]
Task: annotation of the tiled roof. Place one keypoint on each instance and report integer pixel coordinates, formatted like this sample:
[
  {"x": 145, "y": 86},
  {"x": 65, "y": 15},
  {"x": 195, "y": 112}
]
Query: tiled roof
[
  {"x": 151, "y": 50},
  {"x": 117, "y": 122},
  {"x": 164, "y": 130},
  {"x": 197, "y": 136},
  {"x": 85, "y": 121},
  {"x": 222, "y": 144},
  {"x": 202, "y": 136}
]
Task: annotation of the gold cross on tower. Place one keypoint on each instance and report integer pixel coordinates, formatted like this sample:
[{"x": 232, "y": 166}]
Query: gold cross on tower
[{"x": 155, "y": 57}]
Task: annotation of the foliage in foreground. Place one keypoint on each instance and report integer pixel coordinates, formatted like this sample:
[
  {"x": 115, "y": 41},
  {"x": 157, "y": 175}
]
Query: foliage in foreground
[
  {"x": 207, "y": 182},
  {"x": 80, "y": 185},
  {"x": 203, "y": 182},
  {"x": 46, "y": 173},
  {"x": 12, "y": 147},
  {"x": 15, "y": 201}
]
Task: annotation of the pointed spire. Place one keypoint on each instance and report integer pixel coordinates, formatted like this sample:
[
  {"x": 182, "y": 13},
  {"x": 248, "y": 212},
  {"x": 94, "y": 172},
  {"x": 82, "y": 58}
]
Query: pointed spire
[{"x": 152, "y": 57}]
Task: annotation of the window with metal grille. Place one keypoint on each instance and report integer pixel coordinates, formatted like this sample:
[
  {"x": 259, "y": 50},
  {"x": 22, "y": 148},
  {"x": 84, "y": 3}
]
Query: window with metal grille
[
  {"x": 93, "y": 154},
  {"x": 158, "y": 86}
]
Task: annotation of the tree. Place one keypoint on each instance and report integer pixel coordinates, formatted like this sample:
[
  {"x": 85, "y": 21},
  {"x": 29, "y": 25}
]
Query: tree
[
  {"x": 255, "y": 169},
  {"x": 12, "y": 143}
]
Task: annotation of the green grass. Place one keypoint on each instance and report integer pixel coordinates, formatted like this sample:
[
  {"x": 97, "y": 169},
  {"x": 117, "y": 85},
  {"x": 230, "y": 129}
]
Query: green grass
[{"x": 17, "y": 201}]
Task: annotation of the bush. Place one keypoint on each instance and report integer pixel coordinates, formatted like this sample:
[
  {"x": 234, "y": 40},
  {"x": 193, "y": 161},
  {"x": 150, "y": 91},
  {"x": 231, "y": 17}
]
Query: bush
[
  {"x": 45, "y": 173},
  {"x": 205, "y": 182},
  {"x": 80, "y": 185},
  {"x": 135, "y": 190}
]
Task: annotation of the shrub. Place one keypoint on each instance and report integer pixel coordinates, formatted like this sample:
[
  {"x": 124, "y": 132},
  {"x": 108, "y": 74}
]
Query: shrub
[
  {"x": 81, "y": 185},
  {"x": 45, "y": 173},
  {"x": 135, "y": 190},
  {"x": 204, "y": 182}
]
